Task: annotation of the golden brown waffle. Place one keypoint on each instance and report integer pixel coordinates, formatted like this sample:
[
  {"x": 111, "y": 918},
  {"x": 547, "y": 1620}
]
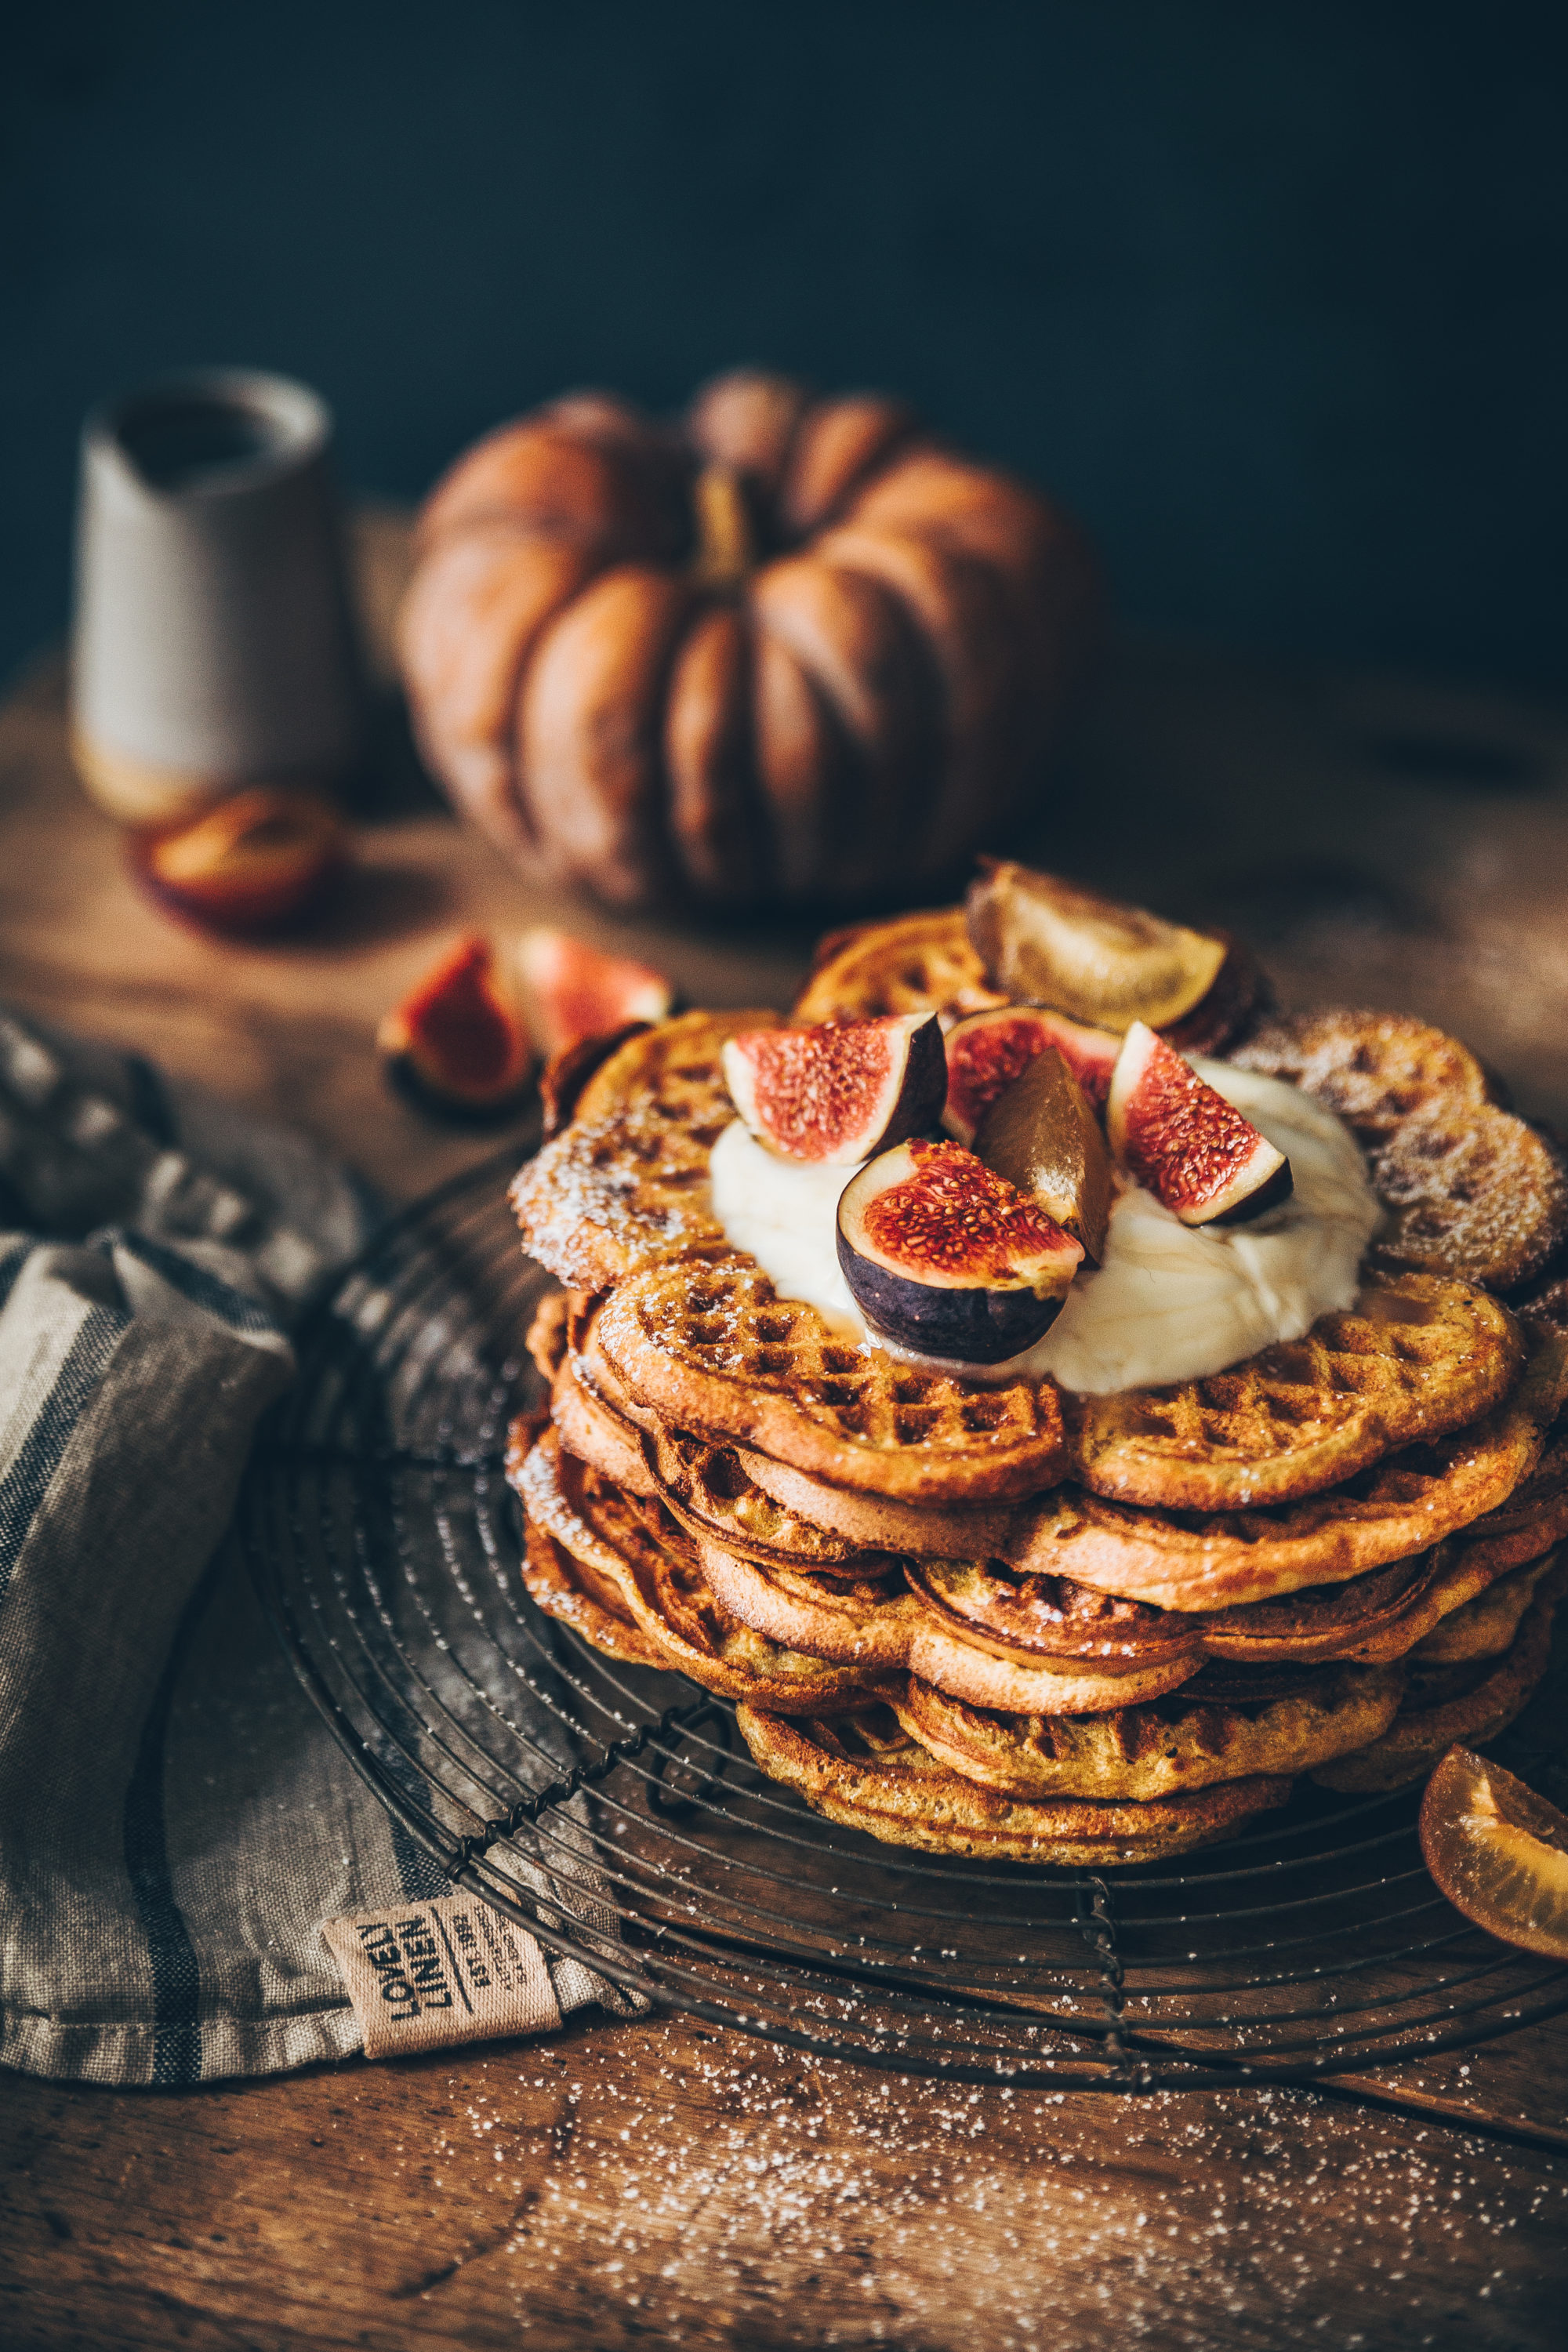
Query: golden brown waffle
[
  {"x": 709, "y": 1346},
  {"x": 596, "y": 1435},
  {"x": 869, "y": 1774},
  {"x": 706, "y": 1489},
  {"x": 628, "y": 1182},
  {"x": 1225, "y": 1726},
  {"x": 883, "y": 1522},
  {"x": 917, "y": 964},
  {"x": 565, "y": 1588},
  {"x": 1485, "y": 1627},
  {"x": 546, "y": 1341},
  {"x": 1441, "y": 1703},
  {"x": 632, "y": 1553},
  {"x": 1533, "y": 1518},
  {"x": 1373, "y": 1069},
  {"x": 1416, "y": 1357},
  {"x": 1204, "y": 1561},
  {"x": 887, "y": 1626},
  {"x": 1470, "y": 1190}
]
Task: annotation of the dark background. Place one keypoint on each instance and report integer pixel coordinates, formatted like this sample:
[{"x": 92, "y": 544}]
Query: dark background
[{"x": 1272, "y": 294}]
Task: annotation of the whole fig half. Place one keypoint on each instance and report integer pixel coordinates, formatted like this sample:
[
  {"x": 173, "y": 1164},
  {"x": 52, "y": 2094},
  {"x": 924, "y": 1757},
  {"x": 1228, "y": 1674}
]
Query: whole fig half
[
  {"x": 1184, "y": 1143},
  {"x": 841, "y": 1093},
  {"x": 946, "y": 1258}
]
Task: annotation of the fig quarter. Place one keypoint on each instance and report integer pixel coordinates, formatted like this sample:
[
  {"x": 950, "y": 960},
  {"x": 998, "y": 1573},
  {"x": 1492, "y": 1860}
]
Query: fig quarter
[{"x": 1042, "y": 1136}]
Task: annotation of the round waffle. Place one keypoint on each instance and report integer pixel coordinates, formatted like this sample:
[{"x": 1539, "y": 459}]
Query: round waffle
[
  {"x": 630, "y": 1556},
  {"x": 706, "y": 1489},
  {"x": 917, "y": 964},
  {"x": 1416, "y": 1356},
  {"x": 1532, "y": 1518},
  {"x": 709, "y": 1346},
  {"x": 626, "y": 1182},
  {"x": 886, "y": 1626},
  {"x": 596, "y": 1434},
  {"x": 1470, "y": 1703},
  {"x": 1228, "y": 1725},
  {"x": 1485, "y": 1627},
  {"x": 1370, "y": 1069},
  {"x": 869, "y": 1773}
]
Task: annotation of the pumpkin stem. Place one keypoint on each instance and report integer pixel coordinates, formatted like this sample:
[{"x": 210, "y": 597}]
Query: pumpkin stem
[{"x": 726, "y": 554}]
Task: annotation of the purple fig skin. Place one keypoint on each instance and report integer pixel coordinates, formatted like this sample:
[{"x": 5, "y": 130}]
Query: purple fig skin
[
  {"x": 828, "y": 1106},
  {"x": 942, "y": 1309}
]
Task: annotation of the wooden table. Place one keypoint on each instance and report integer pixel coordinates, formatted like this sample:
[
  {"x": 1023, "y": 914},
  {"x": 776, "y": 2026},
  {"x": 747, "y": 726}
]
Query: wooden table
[{"x": 656, "y": 2182}]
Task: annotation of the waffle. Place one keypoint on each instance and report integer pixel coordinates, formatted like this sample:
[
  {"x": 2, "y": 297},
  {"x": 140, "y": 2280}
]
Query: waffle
[
  {"x": 598, "y": 1436},
  {"x": 1480, "y": 1194},
  {"x": 706, "y": 1489},
  {"x": 1416, "y": 1357},
  {"x": 1470, "y": 1703},
  {"x": 631, "y": 1556},
  {"x": 709, "y": 1346},
  {"x": 918, "y": 963},
  {"x": 628, "y": 1182},
  {"x": 1485, "y": 1627},
  {"x": 1533, "y": 1518},
  {"x": 1228, "y": 1725},
  {"x": 572, "y": 1589},
  {"x": 1371, "y": 1069},
  {"x": 869, "y": 1773},
  {"x": 887, "y": 1626}
]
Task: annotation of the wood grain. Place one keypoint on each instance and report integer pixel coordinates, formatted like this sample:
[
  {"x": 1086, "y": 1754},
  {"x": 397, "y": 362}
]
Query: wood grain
[{"x": 651, "y": 2182}]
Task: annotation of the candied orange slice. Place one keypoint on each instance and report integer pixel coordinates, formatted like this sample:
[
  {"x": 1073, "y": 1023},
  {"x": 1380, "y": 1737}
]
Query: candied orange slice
[{"x": 1498, "y": 1852}]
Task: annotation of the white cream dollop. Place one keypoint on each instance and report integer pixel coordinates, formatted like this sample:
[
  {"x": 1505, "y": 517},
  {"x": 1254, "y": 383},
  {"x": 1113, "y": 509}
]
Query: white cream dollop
[{"x": 1171, "y": 1302}]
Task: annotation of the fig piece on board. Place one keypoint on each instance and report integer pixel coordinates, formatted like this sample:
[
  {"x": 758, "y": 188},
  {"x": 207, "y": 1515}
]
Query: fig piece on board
[
  {"x": 839, "y": 1093},
  {"x": 945, "y": 1258},
  {"x": 1498, "y": 1852},
  {"x": 1049, "y": 942},
  {"x": 570, "y": 990},
  {"x": 455, "y": 1045},
  {"x": 986, "y": 1052},
  {"x": 1043, "y": 1136},
  {"x": 1183, "y": 1142},
  {"x": 258, "y": 862}
]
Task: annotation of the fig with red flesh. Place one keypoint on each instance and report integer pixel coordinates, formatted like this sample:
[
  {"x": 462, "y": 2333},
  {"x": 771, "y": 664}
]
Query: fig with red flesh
[
  {"x": 1043, "y": 1136},
  {"x": 455, "y": 1045},
  {"x": 987, "y": 1052},
  {"x": 840, "y": 1093},
  {"x": 1184, "y": 1143},
  {"x": 570, "y": 990},
  {"x": 1050, "y": 942},
  {"x": 945, "y": 1258}
]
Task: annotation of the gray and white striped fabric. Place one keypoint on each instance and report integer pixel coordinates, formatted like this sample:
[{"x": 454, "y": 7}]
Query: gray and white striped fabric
[{"x": 175, "y": 1824}]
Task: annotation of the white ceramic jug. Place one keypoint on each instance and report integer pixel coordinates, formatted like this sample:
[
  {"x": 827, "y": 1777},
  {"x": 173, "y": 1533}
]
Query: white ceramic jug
[{"x": 213, "y": 645}]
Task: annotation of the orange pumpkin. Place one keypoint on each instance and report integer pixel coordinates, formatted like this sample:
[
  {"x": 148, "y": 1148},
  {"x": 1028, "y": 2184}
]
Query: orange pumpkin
[{"x": 792, "y": 651}]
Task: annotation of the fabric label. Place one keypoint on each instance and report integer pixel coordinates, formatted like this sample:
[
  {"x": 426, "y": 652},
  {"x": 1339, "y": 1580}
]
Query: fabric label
[{"x": 423, "y": 1975}]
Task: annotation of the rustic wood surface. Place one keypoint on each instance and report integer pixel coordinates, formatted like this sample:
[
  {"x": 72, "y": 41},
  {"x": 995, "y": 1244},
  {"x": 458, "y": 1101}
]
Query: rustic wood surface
[{"x": 655, "y": 2182}]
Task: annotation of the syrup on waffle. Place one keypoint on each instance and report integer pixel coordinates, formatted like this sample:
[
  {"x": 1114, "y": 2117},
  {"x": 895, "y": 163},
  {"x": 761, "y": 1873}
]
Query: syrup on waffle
[
  {"x": 1416, "y": 1357},
  {"x": 869, "y": 1773},
  {"x": 709, "y": 1346},
  {"x": 1225, "y": 1725},
  {"x": 1469, "y": 1703}
]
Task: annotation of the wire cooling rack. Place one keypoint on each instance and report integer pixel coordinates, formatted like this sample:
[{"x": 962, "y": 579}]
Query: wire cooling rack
[{"x": 615, "y": 1813}]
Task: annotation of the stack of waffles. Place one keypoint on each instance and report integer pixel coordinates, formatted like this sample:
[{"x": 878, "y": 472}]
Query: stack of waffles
[{"x": 1014, "y": 1622}]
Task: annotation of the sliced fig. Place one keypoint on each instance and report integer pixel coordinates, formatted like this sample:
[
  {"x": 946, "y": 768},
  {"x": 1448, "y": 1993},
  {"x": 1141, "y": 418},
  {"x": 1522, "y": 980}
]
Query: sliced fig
[
  {"x": 455, "y": 1045},
  {"x": 1043, "y": 1136},
  {"x": 841, "y": 1093},
  {"x": 571, "y": 991},
  {"x": 1047, "y": 940},
  {"x": 945, "y": 1257},
  {"x": 989, "y": 1050},
  {"x": 1184, "y": 1143}
]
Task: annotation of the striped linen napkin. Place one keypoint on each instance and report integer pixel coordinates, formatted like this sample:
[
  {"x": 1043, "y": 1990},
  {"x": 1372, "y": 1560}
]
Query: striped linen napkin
[{"x": 175, "y": 1824}]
